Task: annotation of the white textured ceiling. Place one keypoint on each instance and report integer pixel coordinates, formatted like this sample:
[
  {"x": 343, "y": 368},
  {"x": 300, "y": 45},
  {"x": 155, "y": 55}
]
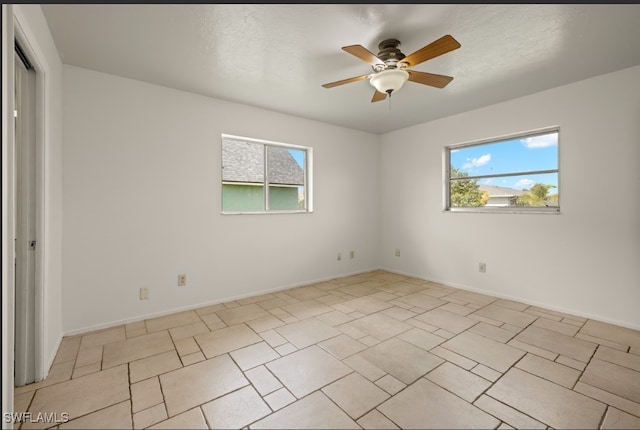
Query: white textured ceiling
[{"x": 277, "y": 56}]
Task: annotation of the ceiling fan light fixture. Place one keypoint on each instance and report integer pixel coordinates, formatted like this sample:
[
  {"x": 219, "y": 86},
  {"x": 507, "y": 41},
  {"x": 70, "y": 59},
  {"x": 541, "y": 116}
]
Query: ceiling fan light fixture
[{"x": 390, "y": 80}]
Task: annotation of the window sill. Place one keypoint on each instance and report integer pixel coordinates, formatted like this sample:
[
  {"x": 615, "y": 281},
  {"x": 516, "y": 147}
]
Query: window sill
[
  {"x": 548, "y": 211},
  {"x": 268, "y": 212}
]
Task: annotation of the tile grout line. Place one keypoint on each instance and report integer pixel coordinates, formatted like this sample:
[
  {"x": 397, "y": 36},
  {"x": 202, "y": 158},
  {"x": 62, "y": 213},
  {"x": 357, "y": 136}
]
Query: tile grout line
[
  {"x": 593, "y": 354},
  {"x": 373, "y": 382},
  {"x": 164, "y": 398},
  {"x": 356, "y": 372},
  {"x": 204, "y": 416},
  {"x": 492, "y": 383},
  {"x": 511, "y": 407},
  {"x": 503, "y": 374},
  {"x": 130, "y": 392},
  {"x": 604, "y": 415}
]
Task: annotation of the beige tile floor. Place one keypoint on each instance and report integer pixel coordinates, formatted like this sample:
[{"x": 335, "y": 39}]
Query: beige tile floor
[{"x": 375, "y": 350}]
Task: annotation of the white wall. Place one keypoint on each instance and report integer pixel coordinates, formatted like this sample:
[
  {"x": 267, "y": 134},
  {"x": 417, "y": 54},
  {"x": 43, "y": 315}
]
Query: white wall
[
  {"x": 142, "y": 202},
  {"x": 585, "y": 260}
]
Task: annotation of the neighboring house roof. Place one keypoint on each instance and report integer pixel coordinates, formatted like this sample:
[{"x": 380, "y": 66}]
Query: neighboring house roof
[
  {"x": 244, "y": 162},
  {"x": 501, "y": 191}
]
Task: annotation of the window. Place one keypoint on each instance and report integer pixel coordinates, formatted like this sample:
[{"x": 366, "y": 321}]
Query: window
[
  {"x": 512, "y": 174},
  {"x": 260, "y": 176}
]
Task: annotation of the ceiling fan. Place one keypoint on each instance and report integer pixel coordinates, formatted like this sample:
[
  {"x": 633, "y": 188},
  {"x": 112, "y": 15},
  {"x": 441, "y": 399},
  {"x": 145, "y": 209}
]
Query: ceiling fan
[{"x": 391, "y": 66}]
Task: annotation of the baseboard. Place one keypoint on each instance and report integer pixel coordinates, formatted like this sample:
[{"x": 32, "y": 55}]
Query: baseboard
[
  {"x": 499, "y": 295},
  {"x": 517, "y": 299},
  {"x": 143, "y": 317}
]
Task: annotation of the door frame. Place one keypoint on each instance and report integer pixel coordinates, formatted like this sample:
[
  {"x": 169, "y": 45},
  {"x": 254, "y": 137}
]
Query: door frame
[{"x": 8, "y": 276}]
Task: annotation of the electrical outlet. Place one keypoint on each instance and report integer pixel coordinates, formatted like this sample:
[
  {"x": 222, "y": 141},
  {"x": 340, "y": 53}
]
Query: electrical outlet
[
  {"x": 144, "y": 293},
  {"x": 482, "y": 267},
  {"x": 182, "y": 280},
  {"x": 352, "y": 254},
  {"x": 397, "y": 252},
  {"x": 339, "y": 256}
]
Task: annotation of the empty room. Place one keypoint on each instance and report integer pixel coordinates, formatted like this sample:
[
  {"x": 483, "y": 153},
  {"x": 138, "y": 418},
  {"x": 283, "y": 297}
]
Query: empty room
[{"x": 320, "y": 216}]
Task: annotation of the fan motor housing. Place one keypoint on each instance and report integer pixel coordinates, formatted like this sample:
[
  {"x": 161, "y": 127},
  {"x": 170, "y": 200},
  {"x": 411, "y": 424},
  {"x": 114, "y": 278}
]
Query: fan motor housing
[{"x": 389, "y": 53}]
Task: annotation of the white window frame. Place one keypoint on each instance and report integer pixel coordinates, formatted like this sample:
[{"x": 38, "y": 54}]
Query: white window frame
[
  {"x": 308, "y": 177},
  {"x": 493, "y": 209}
]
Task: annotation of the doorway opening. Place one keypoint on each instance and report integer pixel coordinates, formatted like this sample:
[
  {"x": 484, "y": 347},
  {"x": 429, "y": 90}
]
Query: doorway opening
[{"x": 26, "y": 214}]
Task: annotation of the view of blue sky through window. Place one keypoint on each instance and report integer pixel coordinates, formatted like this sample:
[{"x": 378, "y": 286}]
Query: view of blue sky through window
[
  {"x": 516, "y": 156},
  {"x": 298, "y": 155}
]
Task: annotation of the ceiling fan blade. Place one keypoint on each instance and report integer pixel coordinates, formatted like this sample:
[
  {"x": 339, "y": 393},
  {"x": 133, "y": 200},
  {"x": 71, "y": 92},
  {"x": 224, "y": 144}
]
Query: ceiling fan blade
[
  {"x": 438, "y": 81},
  {"x": 377, "y": 96},
  {"x": 434, "y": 49},
  {"x": 345, "y": 81},
  {"x": 363, "y": 53}
]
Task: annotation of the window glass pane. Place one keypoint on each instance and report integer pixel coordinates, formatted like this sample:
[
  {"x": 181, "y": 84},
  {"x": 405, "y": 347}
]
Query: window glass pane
[
  {"x": 518, "y": 173},
  {"x": 242, "y": 162},
  {"x": 260, "y": 176},
  {"x": 286, "y": 177},
  {"x": 285, "y": 198},
  {"x": 539, "y": 190},
  {"x": 242, "y": 197},
  {"x": 242, "y": 176},
  {"x": 532, "y": 153}
]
